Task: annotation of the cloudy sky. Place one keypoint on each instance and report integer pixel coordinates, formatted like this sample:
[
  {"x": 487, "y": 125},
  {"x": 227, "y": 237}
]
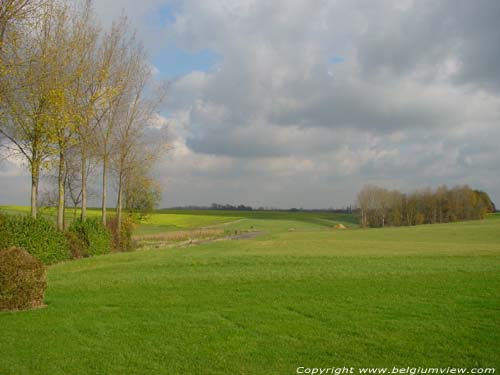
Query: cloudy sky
[{"x": 298, "y": 103}]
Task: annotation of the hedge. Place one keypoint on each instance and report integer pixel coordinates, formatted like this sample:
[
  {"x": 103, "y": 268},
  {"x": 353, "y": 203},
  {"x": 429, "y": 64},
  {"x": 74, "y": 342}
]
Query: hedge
[
  {"x": 94, "y": 236},
  {"x": 122, "y": 241},
  {"x": 38, "y": 236}
]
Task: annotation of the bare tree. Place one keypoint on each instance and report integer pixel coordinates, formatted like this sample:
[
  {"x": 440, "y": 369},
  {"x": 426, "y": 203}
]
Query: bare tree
[
  {"x": 114, "y": 56},
  {"x": 379, "y": 207},
  {"x": 136, "y": 151}
]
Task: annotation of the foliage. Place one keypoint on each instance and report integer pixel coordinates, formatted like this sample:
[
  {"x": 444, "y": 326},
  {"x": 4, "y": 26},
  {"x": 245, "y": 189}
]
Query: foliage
[
  {"x": 379, "y": 207},
  {"x": 22, "y": 280},
  {"x": 5, "y": 236},
  {"x": 142, "y": 196},
  {"x": 485, "y": 201},
  {"x": 94, "y": 236},
  {"x": 122, "y": 240},
  {"x": 38, "y": 236},
  {"x": 77, "y": 247}
]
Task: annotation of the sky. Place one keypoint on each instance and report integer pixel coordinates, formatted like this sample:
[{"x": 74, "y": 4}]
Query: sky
[{"x": 299, "y": 103}]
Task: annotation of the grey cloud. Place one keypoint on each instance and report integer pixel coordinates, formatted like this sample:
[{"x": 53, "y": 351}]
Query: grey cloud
[
  {"x": 426, "y": 35},
  {"x": 14, "y": 189},
  {"x": 264, "y": 140}
]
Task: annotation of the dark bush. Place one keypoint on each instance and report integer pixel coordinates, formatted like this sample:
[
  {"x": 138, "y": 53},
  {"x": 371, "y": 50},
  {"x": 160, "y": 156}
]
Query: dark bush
[
  {"x": 122, "y": 241},
  {"x": 39, "y": 237},
  {"x": 22, "y": 280},
  {"x": 93, "y": 235},
  {"x": 5, "y": 236},
  {"x": 77, "y": 247}
]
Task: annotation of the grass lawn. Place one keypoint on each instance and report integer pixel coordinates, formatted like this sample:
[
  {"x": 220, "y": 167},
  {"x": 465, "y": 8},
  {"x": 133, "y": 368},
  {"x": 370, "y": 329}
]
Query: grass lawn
[{"x": 300, "y": 294}]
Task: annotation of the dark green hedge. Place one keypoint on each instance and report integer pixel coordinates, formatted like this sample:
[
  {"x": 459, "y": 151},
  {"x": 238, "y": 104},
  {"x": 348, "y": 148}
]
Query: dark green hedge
[
  {"x": 39, "y": 237},
  {"x": 93, "y": 234}
]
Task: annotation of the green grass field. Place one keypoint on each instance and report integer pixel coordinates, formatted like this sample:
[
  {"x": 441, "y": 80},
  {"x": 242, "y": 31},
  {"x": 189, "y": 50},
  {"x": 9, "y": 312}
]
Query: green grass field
[
  {"x": 299, "y": 294},
  {"x": 171, "y": 220}
]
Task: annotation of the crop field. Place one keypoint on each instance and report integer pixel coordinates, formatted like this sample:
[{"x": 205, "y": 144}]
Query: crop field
[{"x": 297, "y": 293}]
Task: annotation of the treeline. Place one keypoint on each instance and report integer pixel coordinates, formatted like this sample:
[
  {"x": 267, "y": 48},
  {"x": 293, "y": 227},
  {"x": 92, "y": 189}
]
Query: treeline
[
  {"x": 78, "y": 102},
  {"x": 242, "y": 207},
  {"x": 379, "y": 207},
  {"x": 230, "y": 207}
]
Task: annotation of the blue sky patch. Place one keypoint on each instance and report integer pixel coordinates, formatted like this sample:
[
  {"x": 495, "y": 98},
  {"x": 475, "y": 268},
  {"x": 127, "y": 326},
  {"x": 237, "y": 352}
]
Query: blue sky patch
[
  {"x": 337, "y": 60},
  {"x": 174, "y": 62}
]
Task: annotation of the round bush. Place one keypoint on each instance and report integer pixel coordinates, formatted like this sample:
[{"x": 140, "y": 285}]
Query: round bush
[
  {"x": 22, "y": 280},
  {"x": 39, "y": 237}
]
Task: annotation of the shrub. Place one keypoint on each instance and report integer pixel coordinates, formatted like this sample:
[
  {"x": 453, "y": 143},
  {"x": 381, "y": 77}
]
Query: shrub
[
  {"x": 93, "y": 235},
  {"x": 38, "y": 236},
  {"x": 77, "y": 247},
  {"x": 5, "y": 235},
  {"x": 22, "y": 280},
  {"x": 122, "y": 241}
]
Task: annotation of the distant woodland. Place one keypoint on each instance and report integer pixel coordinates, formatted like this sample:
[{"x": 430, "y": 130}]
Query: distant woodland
[{"x": 380, "y": 207}]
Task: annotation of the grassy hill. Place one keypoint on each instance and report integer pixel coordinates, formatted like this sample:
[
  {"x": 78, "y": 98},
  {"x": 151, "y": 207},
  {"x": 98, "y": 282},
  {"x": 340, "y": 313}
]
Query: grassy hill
[
  {"x": 298, "y": 294},
  {"x": 167, "y": 220}
]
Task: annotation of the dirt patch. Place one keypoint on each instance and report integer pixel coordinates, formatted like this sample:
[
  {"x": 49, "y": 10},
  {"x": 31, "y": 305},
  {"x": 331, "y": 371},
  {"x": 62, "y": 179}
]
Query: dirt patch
[
  {"x": 179, "y": 236},
  {"x": 160, "y": 242},
  {"x": 244, "y": 235}
]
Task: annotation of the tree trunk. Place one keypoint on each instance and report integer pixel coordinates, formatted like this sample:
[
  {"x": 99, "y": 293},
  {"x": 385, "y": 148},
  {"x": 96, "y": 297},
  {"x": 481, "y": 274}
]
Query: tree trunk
[
  {"x": 119, "y": 208},
  {"x": 104, "y": 187},
  {"x": 84, "y": 184},
  {"x": 3, "y": 29},
  {"x": 60, "y": 185},
  {"x": 35, "y": 178}
]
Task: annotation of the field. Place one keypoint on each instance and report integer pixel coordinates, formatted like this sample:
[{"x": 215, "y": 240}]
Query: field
[{"x": 297, "y": 294}]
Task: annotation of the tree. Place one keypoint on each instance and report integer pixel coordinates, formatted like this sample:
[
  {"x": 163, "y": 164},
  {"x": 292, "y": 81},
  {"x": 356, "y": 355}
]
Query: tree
[
  {"x": 12, "y": 12},
  {"x": 14, "y": 17},
  {"x": 88, "y": 90},
  {"x": 379, "y": 207},
  {"x": 486, "y": 202},
  {"x": 114, "y": 55},
  {"x": 64, "y": 38},
  {"x": 64, "y": 114},
  {"x": 135, "y": 151},
  {"x": 142, "y": 193},
  {"x": 26, "y": 111},
  {"x": 76, "y": 76}
]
